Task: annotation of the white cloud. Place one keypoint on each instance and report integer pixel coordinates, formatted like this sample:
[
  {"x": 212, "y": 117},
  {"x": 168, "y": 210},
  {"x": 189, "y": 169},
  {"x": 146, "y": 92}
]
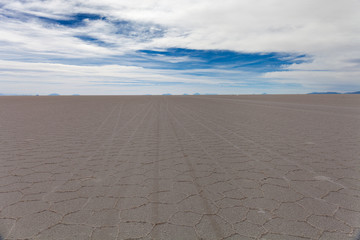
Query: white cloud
[
  {"x": 246, "y": 25},
  {"x": 328, "y": 31},
  {"x": 72, "y": 78}
]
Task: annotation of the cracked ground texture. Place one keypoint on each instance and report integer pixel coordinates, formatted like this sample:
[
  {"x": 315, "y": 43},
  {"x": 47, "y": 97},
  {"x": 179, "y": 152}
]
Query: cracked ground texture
[{"x": 180, "y": 167}]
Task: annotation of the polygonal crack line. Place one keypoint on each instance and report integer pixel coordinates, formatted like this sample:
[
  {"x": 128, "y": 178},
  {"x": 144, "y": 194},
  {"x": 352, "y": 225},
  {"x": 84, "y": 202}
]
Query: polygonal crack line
[
  {"x": 69, "y": 213},
  {"x": 267, "y": 221},
  {"x": 294, "y": 202},
  {"x": 312, "y": 213},
  {"x": 19, "y": 175},
  {"x": 150, "y": 231},
  {"x": 242, "y": 198},
  {"x": 273, "y": 184},
  {"x": 68, "y": 191},
  {"x": 187, "y": 197},
  {"x": 342, "y": 221},
  {"x": 41, "y": 230},
  {"x": 259, "y": 210},
  {"x": 232, "y": 206},
  {"x": 332, "y": 191},
  {"x": 302, "y": 194},
  {"x": 9, "y": 184},
  {"x": 291, "y": 235},
  {"x": 92, "y": 232},
  {"x": 216, "y": 172},
  {"x": 116, "y": 204},
  {"x": 22, "y": 201},
  {"x": 317, "y": 228},
  {"x": 222, "y": 198},
  {"x": 228, "y": 181},
  {"x": 12, "y": 227},
  {"x": 308, "y": 195},
  {"x": 264, "y": 233},
  {"x": 354, "y": 186},
  {"x": 206, "y": 201},
  {"x": 94, "y": 228},
  {"x": 322, "y": 232},
  {"x": 245, "y": 216},
  {"x": 334, "y": 212},
  {"x": 65, "y": 224},
  {"x": 16, "y": 191},
  {"x": 231, "y": 235},
  {"x": 185, "y": 211},
  {"x": 348, "y": 234},
  {"x": 334, "y": 216},
  {"x": 51, "y": 203},
  {"x": 215, "y": 214},
  {"x": 131, "y": 208}
]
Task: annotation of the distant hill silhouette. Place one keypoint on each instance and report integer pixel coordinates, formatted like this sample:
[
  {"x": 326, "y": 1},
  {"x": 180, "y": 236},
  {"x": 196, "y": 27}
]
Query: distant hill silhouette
[
  {"x": 197, "y": 93},
  {"x": 166, "y": 94},
  {"x": 324, "y": 93},
  {"x": 54, "y": 94},
  {"x": 357, "y": 92}
]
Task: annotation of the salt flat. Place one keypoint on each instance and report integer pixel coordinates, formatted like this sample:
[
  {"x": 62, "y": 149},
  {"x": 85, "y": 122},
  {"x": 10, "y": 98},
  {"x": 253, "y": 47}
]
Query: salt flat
[{"x": 180, "y": 167}]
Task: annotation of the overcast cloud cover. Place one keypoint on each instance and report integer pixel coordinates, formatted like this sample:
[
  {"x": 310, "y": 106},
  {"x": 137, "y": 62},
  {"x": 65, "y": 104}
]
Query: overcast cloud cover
[{"x": 187, "y": 46}]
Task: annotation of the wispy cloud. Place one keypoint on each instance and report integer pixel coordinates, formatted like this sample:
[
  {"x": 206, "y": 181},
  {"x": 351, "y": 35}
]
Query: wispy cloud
[
  {"x": 223, "y": 59},
  {"x": 303, "y": 43}
]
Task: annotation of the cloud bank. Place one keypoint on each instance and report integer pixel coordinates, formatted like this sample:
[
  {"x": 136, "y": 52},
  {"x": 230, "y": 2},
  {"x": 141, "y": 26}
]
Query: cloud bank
[{"x": 230, "y": 46}]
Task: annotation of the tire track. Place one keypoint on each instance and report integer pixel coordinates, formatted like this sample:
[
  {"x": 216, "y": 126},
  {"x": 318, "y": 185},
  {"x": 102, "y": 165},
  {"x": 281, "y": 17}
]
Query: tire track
[
  {"x": 215, "y": 226},
  {"x": 83, "y": 149},
  {"x": 274, "y": 153}
]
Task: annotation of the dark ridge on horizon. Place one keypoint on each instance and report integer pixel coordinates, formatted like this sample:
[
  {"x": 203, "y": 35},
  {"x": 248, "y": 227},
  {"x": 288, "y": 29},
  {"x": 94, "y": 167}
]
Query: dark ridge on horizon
[
  {"x": 324, "y": 93},
  {"x": 357, "y": 92}
]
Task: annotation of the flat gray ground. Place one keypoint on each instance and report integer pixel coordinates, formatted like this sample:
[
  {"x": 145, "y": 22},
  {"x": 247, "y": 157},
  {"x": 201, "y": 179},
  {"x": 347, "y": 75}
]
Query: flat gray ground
[{"x": 180, "y": 167}]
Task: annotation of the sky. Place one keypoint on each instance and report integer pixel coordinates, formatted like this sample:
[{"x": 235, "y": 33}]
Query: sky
[{"x": 117, "y": 47}]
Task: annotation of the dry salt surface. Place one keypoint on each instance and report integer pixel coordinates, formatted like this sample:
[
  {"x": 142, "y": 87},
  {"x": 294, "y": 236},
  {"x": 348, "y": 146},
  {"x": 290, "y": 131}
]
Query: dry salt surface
[{"x": 180, "y": 167}]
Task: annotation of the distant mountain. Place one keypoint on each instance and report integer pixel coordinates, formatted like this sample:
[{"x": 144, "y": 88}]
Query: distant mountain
[
  {"x": 357, "y": 92},
  {"x": 197, "y": 93},
  {"x": 166, "y": 94},
  {"x": 54, "y": 94},
  {"x": 324, "y": 93}
]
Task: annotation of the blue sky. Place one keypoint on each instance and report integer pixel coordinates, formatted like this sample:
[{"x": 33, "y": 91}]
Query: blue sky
[{"x": 155, "y": 47}]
